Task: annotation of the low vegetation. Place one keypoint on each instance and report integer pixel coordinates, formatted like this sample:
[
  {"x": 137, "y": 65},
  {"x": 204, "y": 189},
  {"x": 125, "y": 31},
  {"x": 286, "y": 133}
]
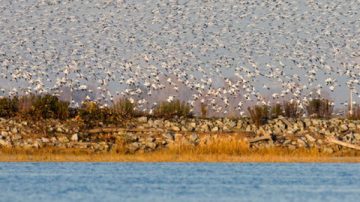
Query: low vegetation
[
  {"x": 9, "y": 107},
  {"x": 319, "y": 108},
  {"x": 124, "y": 108},
  {"x": 37, "y": 107},
  {"x": 259, "y": 114},
  {"x": 221, "y": 151},
  {"x": 172, "y": 109},
  {"x": 355, "y": 115},
  {"x": 203, "y": 110}
]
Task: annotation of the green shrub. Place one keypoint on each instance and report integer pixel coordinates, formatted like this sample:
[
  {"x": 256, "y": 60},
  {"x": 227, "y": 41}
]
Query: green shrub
[
  {"x": 25, "y": 105},
  {"x": 124, "y": 108},
  {"x": 94, "y": 115},
  {"x": 276, "y": 111},
  {"x": 203, "y": 110},
  {"x": 50, "y": 107},
  {"x": 91, "y": 113},
  {"x": 173, "y": 109},
  {"x": 42, "y": 107},
  {"x": 259, "y": 114},
  {"x": 355, "y": 113},
  {"x": 291, "y": 110},
  {"x": 319, "y": 108},
  {"x": 8, "y": 107}
]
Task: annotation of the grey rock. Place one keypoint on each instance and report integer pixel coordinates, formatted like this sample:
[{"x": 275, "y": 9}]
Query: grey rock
[
  {"x": 357, "y": 136},
  {"x": 63, "y": 139},
  {"x": 75, "y": 137},
  {"x": 159, "y": 123},
  {"x": 343, "y": 128},
  {"x": 4, "y": 133},
  {"x": 16, "y": 137},
  {"x": 151, "y": 145},
  {"x": 248, "y": 128},
  {"x": 4, "y": 143},
  {"x": 45, "y": 140},
  {"x": 150, "y": 139},
  {"x": 301, "y": 143},
  {"x": 191, "y": 125},
  {"x": 59, "y": 130},
  {"x": 133, "y": 147},
  {"x": 352, "y": 126},
  {"x": 169, "y": 136},
  {"x": 215, "y": 129},
  {"x": 310, "y": 138},
  {"x": 231, "y": 124},
  {"x": 14, "y": 130},
  {"x": 194, "y": 138},
  {"x": 142, "y": 119},
  {"x": 204, "y": 128},
  {"x": 239, "y": 124},
  {"x": 328, "y": 150},
  {"x": 175, "y": 128}
]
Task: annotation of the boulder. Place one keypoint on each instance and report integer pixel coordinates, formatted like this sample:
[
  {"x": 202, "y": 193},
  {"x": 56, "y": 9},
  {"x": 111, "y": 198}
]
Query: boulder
[
  {"x": 204, "y": 128},
  {"x": 343, "y": 128},
  {"x": 16, "y": 137},
  {"x": 310, "y": 138},
  {"x": 63, "y": 139},
  {"x": 169, "y": 136},
  {"x": 45, "y": 140},
  {"x": 4, "y": 133},
  {"x": 357, "y": 136},
  {"x": 142, "y": 119},
  {"x": 194, "y": 138},
  {"x": 14, "y": 130},
  {"x": 4, "y": 143},
  {"x": 215, "y": 129},
  {"x": 328, "y": 150},
  {"x": 151, "y": 145},
  {"x": 75, "y": 137},
  {"x": 301, "y": 143},
  {"x": 133, "y": 147},
  {"x": 231, "y": 124},
  {"x": 175, "y": 128}
]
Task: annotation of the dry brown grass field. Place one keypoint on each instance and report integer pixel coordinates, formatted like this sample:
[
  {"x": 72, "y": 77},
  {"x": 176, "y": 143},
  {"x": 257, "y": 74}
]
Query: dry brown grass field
[{"x": 219, "y": 151}]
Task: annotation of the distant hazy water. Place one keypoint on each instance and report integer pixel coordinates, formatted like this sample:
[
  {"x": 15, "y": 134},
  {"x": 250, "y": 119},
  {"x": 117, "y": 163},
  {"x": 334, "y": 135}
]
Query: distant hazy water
[{"x": 178, "y": 182}]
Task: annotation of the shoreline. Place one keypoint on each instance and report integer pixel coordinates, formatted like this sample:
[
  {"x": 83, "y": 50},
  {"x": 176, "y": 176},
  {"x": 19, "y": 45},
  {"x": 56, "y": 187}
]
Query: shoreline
[{"x": 171, "y": 157}]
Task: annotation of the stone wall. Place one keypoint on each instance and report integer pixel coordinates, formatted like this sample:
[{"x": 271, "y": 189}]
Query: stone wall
[{"x": 145, "y": 135}]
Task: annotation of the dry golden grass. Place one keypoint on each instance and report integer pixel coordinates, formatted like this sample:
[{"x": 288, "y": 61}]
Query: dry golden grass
[{"x": 215, "y": 151}]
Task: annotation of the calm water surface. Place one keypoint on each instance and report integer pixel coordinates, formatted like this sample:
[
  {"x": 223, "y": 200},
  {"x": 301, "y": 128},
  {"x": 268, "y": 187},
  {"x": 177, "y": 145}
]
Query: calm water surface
[{"x": 178, "y": 182}]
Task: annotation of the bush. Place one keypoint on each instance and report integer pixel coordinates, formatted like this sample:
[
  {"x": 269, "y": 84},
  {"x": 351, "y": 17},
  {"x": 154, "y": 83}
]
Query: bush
[
  {"x": 173, "y": 109},
  {"x": 276, "y": 111},
  {"x": 42, "y": 107},
  {"x": 124, "y": 108},
  {"x": 8, "y": 107},
  {"x": 25, "y": 105},
  {"x": 203, "y": 110},
  {"x": 91, "y": 113},
  {"x": 355, "y": 113},
  {"x": 259, "y": 114},
  {"x": 291, "y": 109},
  {"x": 49, "y": 106},
  {"x": 94, "y": 115},
  {"x": 319, "y": 108}
]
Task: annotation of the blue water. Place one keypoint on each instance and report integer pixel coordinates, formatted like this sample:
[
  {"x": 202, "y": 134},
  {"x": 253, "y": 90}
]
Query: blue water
[{"x": 178, "y": 182}]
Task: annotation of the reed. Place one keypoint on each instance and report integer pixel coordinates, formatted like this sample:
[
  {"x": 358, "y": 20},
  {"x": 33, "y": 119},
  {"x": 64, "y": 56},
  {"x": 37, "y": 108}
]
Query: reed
[{"x": 215, "y": 151}]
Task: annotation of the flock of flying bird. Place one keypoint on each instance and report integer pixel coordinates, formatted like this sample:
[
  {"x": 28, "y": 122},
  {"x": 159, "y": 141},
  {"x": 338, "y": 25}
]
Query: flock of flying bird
[{"x": 226, "y": 53}]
